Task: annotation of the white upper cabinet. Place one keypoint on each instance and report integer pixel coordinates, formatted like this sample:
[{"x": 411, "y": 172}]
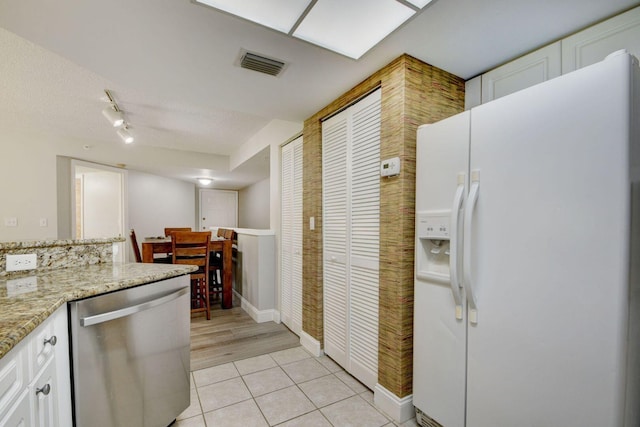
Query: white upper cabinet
[
  {"x": 569, "y": 54},
  {"x": 472, "y": 92},
  {"x": 529, "y": 70},
  {"x": 595, "y": 43}
]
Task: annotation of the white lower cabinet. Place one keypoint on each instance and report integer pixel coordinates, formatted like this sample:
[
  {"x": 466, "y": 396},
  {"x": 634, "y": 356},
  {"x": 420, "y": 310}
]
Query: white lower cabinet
[
  {"x": 19, "y": 415},
  {"x": 35, "y": 383},
  {"x": 43, "y": 391}
]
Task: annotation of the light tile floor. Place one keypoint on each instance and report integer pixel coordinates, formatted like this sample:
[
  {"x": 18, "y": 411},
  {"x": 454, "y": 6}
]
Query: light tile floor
[{"x": 287, "y": 388}]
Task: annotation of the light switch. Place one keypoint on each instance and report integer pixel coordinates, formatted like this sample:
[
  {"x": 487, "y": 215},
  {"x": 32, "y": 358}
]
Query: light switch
[{"x": 312, "y": 223}]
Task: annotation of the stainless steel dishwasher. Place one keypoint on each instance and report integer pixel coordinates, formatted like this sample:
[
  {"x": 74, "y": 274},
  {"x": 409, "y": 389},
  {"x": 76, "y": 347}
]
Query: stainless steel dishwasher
[{"x": 130, "y": 355}]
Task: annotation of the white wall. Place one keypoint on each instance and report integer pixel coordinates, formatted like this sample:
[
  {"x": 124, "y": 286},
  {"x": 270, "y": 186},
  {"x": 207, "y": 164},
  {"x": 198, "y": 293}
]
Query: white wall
[
  {"x": 157, "y": 202},
  {"x": 276, "y": 131},
  {"x": 27, "y": 186},
  {"x": 253, "y": 205}
]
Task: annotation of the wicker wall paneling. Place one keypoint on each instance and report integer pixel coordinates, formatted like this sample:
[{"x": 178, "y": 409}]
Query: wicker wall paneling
[{"x": 413, "y": 93}]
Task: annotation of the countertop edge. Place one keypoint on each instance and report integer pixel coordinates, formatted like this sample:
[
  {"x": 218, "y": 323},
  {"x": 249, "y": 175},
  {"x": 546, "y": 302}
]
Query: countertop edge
[{"x": 9, "y": 339}]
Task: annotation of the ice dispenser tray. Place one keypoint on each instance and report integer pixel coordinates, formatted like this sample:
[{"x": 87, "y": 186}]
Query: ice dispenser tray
[{"x": 433, "y": 245}]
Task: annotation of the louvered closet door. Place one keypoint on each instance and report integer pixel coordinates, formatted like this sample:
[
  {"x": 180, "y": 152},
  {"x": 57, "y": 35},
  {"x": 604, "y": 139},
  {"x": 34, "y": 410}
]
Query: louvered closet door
[
  {"x": 351, "y": 224},
  {"x": 296, "y": 273},
  {"x": 334, "y": 225},
  {"x": 365, "y": 239},
  {"x": 291, "y": 235}
]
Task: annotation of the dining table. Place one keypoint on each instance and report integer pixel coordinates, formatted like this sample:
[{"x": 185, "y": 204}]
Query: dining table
[{"x": 151, "y": 246}]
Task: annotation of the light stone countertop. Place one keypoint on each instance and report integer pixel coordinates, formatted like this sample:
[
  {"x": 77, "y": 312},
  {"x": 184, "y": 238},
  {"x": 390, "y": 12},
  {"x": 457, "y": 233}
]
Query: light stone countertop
[
  {"x": 25, "y": 302},
  {"x": 57, "y": 242}
]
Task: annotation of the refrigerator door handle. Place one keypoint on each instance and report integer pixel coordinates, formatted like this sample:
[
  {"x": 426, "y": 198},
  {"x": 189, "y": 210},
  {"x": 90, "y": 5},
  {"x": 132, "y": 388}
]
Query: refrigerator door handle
[
  {"x": 466, "y": 261},
  {"x": 454, "y": 259}
]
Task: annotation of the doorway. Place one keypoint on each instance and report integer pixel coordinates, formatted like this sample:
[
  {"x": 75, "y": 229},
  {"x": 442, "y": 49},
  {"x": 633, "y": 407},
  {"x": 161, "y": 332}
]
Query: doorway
[
  {"x": 218, "y": 208},
  {"x": 98, "y": 203}
]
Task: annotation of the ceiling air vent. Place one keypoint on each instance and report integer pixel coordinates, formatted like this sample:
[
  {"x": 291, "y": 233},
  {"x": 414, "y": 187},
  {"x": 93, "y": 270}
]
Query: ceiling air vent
[{"x": 262, "y": 64}]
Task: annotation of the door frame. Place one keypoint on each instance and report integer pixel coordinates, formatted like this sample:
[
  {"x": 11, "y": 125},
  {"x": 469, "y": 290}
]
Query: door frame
[{"x": 119, "y": 253}]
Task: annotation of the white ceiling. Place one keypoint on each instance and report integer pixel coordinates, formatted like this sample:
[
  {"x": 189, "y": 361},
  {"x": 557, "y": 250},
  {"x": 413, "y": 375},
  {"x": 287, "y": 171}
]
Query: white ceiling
[{"x": 172, "y": 67}]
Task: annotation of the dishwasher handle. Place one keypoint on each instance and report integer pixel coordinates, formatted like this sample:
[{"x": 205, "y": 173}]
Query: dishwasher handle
[{"x": 128, "y": 311}]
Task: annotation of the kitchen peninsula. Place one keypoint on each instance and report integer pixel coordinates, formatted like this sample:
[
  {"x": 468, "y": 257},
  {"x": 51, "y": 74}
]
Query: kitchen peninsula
[{"x": 34, "y": 351}]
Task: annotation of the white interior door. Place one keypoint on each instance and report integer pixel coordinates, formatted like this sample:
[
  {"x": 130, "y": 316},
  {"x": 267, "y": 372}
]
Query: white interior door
[
  {"x": 218, "y": 208},
  {"x": 291, "y": 236},
  {"x": 550, "y": 242}
]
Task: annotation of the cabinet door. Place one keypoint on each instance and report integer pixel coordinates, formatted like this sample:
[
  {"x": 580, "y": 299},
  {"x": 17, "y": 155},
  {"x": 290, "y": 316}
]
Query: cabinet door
[
  {"x": 529, "y": 70},
  {"x": 43, "y": 392},
  {"x": 595, "y": 43},
  {"x": 20, "y": 413}
]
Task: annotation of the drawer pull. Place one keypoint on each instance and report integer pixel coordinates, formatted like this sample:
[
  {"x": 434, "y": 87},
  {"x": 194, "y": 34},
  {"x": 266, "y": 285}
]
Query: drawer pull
[
  {"x": 53, "y": 341},
  {"x": 46, "y": 389}
]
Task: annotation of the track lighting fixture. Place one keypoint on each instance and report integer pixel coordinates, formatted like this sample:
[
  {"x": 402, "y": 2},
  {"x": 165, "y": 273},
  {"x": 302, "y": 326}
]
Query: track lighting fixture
[
  {"x": 116, "y": 118},
  {"x": 125, "y": 134}
]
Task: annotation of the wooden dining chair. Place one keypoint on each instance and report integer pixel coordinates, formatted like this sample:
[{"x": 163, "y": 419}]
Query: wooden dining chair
[
  {"x": 169, "y": 230},
  {"x": 215, "y": 271},
  {"x": 134, "y": 243},
  {"x": 192, "y": 247}
]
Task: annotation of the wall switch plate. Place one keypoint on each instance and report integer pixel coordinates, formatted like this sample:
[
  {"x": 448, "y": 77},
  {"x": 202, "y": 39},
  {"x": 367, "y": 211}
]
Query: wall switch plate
[
  {"x": 21, "y": 262},
  {"x": 390, "y": 167},
  {"x": 11, "y": 222},
  {"x": 312, "y": 223},
  {"x": 43, "y": 222}
]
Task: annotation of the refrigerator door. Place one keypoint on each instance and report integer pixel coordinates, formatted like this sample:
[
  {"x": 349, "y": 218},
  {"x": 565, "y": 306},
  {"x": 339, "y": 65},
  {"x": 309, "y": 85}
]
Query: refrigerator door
[
  {"x": 439, "y": 337},
  {"x": 550, "y": 237}
]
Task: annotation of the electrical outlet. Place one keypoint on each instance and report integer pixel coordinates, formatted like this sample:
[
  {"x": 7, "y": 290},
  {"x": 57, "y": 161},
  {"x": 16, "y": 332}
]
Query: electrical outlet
[
  {"x": 22, "y": 262},
  {"x": 22, "y": 285},
  {"x": 11, "y": 222}
]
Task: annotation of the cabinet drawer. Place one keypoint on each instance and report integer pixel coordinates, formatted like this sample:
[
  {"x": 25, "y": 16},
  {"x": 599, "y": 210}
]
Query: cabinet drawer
[
  {"x": 12, "y": 380},
  {"x": 42, "y": 346}
]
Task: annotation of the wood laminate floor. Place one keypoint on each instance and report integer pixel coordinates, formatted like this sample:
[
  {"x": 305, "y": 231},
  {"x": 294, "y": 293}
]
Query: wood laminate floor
[{"x": 232, "y": 335}]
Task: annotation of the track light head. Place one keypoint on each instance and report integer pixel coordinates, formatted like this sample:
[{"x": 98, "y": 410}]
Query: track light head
[
  {"x": 115, "y": 117},
  {"x": 125, "y": 135}
]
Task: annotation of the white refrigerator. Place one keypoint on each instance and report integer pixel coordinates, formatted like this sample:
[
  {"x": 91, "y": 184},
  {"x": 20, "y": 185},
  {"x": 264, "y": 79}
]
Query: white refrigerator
[{"x": 527, "y": 280}]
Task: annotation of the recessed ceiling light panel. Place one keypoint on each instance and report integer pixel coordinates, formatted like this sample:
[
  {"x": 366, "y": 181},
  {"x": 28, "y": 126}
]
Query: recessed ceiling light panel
[
  {"x": 280, "y": 15},
  {"x": 353, "y": 27},
  {"x": 419, "y": 3}
]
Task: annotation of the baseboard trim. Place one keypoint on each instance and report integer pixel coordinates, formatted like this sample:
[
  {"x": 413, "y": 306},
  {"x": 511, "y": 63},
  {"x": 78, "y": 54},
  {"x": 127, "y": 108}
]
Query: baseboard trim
[
  {"x": 400, "y": 409},
  {"x": 311, "y": 344},
  {"x": 260, "y": 316}
]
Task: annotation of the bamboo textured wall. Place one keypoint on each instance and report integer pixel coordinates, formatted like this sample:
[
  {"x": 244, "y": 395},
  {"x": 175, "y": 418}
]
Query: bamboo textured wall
[{"x": 413, "y": 93}]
